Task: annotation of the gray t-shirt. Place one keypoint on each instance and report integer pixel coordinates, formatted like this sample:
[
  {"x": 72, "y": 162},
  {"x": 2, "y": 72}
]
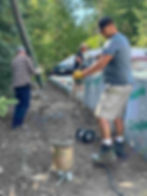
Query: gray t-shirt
[{"x": 118, "y": 71}]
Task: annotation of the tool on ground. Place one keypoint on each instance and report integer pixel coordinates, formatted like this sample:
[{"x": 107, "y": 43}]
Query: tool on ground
[
  {"x": 63, "y": 159},
  {"x": 85, "y": 136}
]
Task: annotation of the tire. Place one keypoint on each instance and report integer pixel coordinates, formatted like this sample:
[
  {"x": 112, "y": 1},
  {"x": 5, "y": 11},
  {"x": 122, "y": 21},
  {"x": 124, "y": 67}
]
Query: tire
[
  {"x": 89, "y": 137},
  {"x": 80, "y": 134}
]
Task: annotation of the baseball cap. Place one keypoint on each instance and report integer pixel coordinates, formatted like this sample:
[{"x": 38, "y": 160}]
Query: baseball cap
[{"x": 103, "y": 22}]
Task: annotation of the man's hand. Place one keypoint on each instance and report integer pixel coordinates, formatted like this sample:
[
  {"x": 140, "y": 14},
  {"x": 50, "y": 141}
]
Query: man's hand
[
  {"x": 78, "y": 75},
  {"x": 98, "y": 66}
]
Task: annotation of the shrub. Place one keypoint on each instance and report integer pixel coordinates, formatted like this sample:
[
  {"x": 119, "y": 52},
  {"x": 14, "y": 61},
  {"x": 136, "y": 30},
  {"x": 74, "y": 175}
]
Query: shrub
[{"x": 4, "y": 105}]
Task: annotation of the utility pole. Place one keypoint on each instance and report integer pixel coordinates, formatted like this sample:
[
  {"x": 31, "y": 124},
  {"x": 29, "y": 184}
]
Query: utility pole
[{"x": 23, "y": 34}]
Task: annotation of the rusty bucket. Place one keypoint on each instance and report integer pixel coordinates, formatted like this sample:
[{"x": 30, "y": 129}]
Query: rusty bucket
[{"x": 62, "y": 155}]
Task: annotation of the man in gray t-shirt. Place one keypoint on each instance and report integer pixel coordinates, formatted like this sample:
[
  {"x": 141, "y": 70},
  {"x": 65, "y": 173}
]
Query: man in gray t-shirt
[
  {"x": 115, "y": 62},
  {"x": 118, "y": 70}
]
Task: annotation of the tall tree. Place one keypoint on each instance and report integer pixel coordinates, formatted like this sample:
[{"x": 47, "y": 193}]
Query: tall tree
[
  {"x": 124, "y": 14},
  {"x": 53, "y": 31},
  {"x": 141, "y": 39},
  {"x": 7, "y": 45}
]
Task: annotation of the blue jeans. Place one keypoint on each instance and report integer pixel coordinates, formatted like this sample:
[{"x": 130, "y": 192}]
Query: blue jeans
[{"x": 23, "y": 95}]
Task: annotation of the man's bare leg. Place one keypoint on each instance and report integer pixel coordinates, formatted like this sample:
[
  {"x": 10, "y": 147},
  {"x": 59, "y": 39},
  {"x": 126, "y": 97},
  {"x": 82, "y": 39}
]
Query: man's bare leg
[
  {"x": 104, "y": 128},
  {"x": 119, "y": 127}
]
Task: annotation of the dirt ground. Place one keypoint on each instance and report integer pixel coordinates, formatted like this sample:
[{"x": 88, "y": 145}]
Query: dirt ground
[{"x": 25, "y": 154}]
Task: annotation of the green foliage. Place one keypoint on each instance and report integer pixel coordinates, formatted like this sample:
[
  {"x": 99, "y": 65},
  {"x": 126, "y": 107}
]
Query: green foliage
[
  {"x": 129, "y": 15},
  {"x": 4, "y": 105},
  {"x": 56, "y": 35},
  {"x": 7, "y": 45},
  {"x": 123, "y": 13},
  {"x": 95, "y": 41},
  {"x": 141, "y": 39}
]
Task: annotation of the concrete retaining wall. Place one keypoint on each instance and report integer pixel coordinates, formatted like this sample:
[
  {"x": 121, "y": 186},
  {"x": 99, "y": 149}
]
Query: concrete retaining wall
[{"x": 136, "y": 114}]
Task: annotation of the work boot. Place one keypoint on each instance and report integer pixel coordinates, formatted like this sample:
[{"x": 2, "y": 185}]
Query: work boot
[
  {"x": 106, "y": 155},
  {"x": 120, "y": 149}
]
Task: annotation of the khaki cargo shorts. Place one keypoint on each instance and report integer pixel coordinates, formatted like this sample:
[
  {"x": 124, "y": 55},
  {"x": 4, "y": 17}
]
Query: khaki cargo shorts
[{"x": 113, "y": 102}]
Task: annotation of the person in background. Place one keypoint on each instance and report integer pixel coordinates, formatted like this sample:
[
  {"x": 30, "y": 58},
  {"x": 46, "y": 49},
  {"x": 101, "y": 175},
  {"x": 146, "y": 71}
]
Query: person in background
[
  {"x": 115, "y": 62},
  {"x": 22, "y": 72},
  {"x": 79, "y": 60}
]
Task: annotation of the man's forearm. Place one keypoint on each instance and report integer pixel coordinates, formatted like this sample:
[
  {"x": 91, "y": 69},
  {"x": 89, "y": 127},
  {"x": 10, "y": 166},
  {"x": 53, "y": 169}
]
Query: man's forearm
[{"x": 96, "y": 67}]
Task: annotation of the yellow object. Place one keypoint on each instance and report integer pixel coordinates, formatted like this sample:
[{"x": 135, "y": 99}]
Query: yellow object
[{"x": 78, "y": 75}]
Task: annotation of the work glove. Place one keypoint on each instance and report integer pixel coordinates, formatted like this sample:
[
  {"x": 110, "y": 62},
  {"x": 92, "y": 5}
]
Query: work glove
[{"x": 78, "y": 75}]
